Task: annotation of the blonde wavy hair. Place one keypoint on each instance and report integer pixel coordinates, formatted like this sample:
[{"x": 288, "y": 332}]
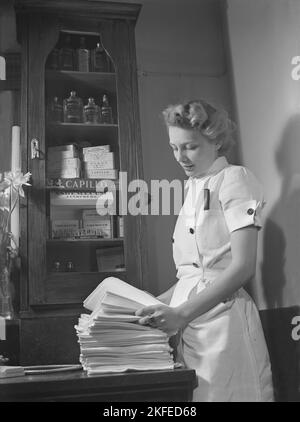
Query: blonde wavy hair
[{"x": 212, "y": 122}]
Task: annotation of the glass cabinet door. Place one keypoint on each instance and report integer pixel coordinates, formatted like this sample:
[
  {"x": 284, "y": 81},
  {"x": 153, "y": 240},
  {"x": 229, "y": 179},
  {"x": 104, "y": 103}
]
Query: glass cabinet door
[
  {"x": 82, "y": 131},
  {"x": 85, "y": 233}
]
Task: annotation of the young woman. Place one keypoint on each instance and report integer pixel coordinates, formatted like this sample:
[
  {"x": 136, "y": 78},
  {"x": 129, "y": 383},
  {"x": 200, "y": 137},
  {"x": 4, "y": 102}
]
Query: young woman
[{"x": 214, "y": 249}]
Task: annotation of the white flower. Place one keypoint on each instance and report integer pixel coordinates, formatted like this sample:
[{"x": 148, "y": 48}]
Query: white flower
[{"x": 17, "y": 180}]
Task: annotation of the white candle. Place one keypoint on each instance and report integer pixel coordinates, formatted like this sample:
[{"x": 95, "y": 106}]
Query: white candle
[
  {"x": 15, "y": 166},
  {"x": 2, "y": 328},
  {"x": 2, "y": 68},
  {"x": 15, "y": 149}
]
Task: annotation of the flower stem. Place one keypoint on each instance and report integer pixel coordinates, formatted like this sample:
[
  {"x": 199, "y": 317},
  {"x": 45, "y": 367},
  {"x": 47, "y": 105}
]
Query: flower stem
[{"x": 11, "y": 207}]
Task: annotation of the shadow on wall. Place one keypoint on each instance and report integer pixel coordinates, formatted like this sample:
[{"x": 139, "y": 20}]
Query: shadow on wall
[{"x": 281, "y": 268}]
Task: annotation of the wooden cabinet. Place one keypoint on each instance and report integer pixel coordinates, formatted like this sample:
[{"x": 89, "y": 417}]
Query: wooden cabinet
[
  {"x": 48, "y": 288},
  {"x": 42, "y": 25}
]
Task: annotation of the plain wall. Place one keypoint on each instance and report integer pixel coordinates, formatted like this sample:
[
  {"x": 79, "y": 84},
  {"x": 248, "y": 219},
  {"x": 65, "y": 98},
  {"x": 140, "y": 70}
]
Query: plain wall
[
  {"x": 181, "y": 56},
  {"x": 264, "y": 36}
]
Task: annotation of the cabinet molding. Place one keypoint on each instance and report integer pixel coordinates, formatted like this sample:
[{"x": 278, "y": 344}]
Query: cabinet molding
[{"x": 89, "y": 9}]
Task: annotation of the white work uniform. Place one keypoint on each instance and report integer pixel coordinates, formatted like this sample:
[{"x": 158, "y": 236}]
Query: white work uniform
[{"x": 226, "y": 345}]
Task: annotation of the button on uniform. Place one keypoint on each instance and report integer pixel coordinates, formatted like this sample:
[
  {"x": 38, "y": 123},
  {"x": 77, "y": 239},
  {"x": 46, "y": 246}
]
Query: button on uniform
[
  {"x": 195, "y": 264},
  {"x": 250, "y": 211},
  {"x": 191, "y": 231}
]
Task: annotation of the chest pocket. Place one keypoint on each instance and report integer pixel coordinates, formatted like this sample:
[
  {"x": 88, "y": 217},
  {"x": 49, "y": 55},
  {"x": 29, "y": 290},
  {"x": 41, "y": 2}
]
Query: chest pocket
[{"x": 212, "y": 231}]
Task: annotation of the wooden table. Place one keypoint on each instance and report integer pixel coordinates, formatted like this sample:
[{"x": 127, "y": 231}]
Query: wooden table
[{"x": 145, "y": 386}]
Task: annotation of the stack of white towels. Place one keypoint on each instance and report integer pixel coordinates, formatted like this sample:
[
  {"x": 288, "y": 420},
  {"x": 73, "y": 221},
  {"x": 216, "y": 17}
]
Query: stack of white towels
[{"x": 112, "y": 340}]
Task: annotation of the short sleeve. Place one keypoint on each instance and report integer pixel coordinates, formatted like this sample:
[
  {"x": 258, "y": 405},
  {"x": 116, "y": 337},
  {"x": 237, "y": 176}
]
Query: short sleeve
[{"x": 241, "y": 197}]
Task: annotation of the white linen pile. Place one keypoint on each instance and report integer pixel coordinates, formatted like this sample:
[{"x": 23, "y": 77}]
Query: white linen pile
[{"x": 110, "y": 338}]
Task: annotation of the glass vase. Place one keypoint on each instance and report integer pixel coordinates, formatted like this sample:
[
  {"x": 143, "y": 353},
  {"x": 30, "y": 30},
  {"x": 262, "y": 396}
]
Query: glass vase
[{"x": 6, "y": 307}]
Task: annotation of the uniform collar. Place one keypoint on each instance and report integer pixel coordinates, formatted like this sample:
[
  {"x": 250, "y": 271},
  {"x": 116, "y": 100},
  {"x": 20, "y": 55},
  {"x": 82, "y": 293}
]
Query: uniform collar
[{"x": 219, "y": 164}]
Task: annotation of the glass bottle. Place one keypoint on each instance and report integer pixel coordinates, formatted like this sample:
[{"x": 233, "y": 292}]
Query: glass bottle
[
  {"x": 73, "y": 109},
  {"x": 70, "y": 266},
  {"x": 106, "y": 111},
  {"x": 99, "y": 59},
  {"x": 66, "y": 54},
  {"x": 83, "y": 57},
  {"x": 6, "y": 308},
  {"x": 55, "y": 111},
  {"x": 91, "y": 112},
  {"x": 56, "y": 266}
]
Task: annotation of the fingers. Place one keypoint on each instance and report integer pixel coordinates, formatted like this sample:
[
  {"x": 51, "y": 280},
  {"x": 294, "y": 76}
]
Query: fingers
[
  {"x": 159, "y": 323},
  {"x": 155, "y": 316},
  {"x": 145, "y": 320},
  {"x": 155, "y": 320},
  {"x": 146, "y": 311}
]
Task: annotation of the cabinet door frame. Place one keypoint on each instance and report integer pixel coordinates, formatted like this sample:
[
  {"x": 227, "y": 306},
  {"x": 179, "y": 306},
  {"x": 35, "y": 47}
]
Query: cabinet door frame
[{"x": 38, "y": 34}]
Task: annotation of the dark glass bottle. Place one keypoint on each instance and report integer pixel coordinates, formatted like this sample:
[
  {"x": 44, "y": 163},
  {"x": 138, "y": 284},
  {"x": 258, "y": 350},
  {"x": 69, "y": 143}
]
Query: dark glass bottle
[
  {"x": 106, "y": 111},
  {"x": 66, "y": 54},
  {"x": 83, "y": 57},
  {"x": 99, "y": 59},
  {"x": 73, "y": 109}
]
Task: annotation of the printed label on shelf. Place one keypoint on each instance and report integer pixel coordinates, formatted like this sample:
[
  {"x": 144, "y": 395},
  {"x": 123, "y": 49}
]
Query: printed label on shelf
[
  {"x": 101, "y": 174},
  {"x": 99, "y": 185},
  {"x": 97, "y": 149},
  {"x": 98, "y": 157}
]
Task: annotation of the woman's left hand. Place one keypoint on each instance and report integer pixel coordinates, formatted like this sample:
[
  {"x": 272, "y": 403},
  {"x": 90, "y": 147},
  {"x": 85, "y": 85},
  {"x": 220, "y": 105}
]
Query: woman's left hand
[{"x": 162, "y": 317}]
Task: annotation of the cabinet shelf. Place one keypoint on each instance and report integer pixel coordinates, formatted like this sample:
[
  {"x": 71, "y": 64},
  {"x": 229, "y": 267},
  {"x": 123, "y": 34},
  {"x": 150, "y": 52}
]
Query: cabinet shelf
[
  {"x": 99, "y": 240},
  {"x": 77, "y": 205},
  {"x": 64, "y": 189},
  {"x": 63, "y": 132},
  {"x": 107, "y": 273},
  {"x": 87, "y": 81},
  {"x": 82, "y": 125},
  {"x": 54, "y": 74},
  {"x": 72, "y": 287}
]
